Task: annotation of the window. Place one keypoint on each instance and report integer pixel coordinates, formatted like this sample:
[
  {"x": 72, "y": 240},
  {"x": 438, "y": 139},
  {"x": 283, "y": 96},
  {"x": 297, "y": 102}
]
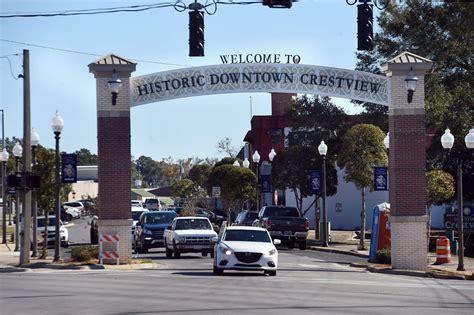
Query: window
[
  {"x": 159, "y": 218},
  {"x": 247, "y": 236},
  {"x": 192, "y": 224},
  {"x": 281, "y": 212}
]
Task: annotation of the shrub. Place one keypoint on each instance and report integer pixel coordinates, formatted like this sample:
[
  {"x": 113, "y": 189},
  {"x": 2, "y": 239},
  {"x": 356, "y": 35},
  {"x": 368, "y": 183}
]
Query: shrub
[
  {"x": 85, "y": 253},
  {"x": 383, "y": 256}
]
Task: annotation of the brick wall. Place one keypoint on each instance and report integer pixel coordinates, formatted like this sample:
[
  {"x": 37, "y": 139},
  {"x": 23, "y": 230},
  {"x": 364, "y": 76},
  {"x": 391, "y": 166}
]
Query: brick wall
[{"x": 281, "y": 103}]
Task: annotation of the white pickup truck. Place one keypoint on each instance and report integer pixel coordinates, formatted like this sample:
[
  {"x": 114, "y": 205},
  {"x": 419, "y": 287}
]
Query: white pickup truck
[{"x": 189, "y": 235}]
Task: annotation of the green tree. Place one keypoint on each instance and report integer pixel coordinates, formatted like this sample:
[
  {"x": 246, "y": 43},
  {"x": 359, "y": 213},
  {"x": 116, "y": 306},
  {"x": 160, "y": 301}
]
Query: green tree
[
  {"x": 290, "y": 169},
  {"x": 85, "y": 157},
  {"x": 439, "y": 187},
  {"x": 183, "y": 188},
  {"x": 362, "y": 149},
  {"x": 199, "y": 174},
  {"x": 148, "y": 170},
  {"x": 238, "y": 185}
]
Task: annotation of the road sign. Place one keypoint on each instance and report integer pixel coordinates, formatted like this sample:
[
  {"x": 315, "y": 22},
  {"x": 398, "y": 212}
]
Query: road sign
[{"x": 216, "y": 192}]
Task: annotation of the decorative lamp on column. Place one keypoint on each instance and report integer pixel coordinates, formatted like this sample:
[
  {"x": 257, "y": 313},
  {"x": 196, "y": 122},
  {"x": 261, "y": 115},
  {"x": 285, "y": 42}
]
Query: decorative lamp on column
[
  {"x": 34, "y": 144},
  {"x": 246, "y": 163},
  {"x": 256, "y": 160},
  {"x": 236, "y": 163},
  {"x": 114, "y": 86},
  {"x": 57, "y": 126},
  {"x": 4, "y": 158},
  {"x": 323, "y": 149},
  {"x": 17, "y": 153},
  {"x": 410, "y": 82}
]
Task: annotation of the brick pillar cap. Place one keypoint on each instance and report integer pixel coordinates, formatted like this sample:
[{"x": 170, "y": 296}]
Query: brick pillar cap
[
  {"x": 104, "y": 66},
  {"x": 407, "y": 61}
]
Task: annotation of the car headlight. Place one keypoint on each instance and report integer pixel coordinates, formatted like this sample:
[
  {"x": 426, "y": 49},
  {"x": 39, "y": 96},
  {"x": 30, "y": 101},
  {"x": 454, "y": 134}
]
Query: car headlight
[
  {"x": 225, "y": 250},
  {"x": 180, "y": 238},
  {"x": 147, "y": 232},
  {"x": 272, "y": 252}
]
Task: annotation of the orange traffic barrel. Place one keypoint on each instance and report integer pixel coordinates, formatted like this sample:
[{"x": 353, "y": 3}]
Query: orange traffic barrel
[{"x": 443, "y": 251}]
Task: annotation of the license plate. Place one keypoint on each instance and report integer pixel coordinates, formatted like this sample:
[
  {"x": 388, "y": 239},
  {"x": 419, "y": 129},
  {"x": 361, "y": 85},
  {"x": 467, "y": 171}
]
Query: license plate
[
  {"x": 197, "y": 247},
  {"x": 288, "y": 233}
]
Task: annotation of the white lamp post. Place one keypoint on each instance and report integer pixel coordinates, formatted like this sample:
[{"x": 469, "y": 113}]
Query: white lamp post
[
  {"x": 4, "y": 158},
  {"x": 323, "y": 149},
  {"x": 256, "y": 160},
  {"x": 57, "y": 126},
  {"x": 34, "y": 144},
  {"x": 17, "y": 153},
  {"x": 386, "y": 141},
  {"x": 246, "y": 163},
  {"x": 236, "y": 163},
  {"x": 272, "y": 155},
  {"x": 447, "y": 141}
]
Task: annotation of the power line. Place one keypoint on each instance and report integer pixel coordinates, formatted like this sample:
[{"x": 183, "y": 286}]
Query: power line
[
  {"x": 10, "y": 63},
  {"x": 86, "y": 53},
  {"x": 178, "y": 5}
]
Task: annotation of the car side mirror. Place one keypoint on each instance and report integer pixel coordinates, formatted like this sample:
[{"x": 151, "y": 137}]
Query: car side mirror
[
  {"x": 215, "y": 239},
  {"x": 169, "y": 227},
  {"x": 276, "y": 241}
]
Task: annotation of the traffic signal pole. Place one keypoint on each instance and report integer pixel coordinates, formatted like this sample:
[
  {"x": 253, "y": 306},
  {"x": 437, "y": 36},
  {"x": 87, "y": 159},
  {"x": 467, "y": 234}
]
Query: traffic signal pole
[{"x": 26, "y": 193}]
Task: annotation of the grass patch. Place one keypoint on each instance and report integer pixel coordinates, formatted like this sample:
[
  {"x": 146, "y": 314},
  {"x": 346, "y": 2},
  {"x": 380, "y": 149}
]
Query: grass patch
[
  {"x": 142, "y": 261},
  {"x": 383, "y": 256}
]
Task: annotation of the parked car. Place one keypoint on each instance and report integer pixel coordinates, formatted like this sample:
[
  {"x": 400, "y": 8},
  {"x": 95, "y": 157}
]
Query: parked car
[
  {"x": 189, "y": 235},
  {"x": 63, "y": 232},
  {"x": 136, "y": 213},
  {"x": 284, "y": 223},
  {"x": 149, "y": 229},
  {"x": 246, "y": 248},
  {"x": 75, "y": 204},
  {"x": 245, "y": 218},
  {"x": 153, "y": 204},
  {"x": 214, "y": 218},
  {"x": 137, "y": 203}
]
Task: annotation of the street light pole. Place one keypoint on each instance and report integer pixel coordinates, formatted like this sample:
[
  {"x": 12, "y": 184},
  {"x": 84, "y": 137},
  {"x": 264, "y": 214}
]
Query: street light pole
[
  {"x": 447, "y": 141},
  {"x": 323, "y": 148},
  {"x": 17, "y": 152},
  {"x": 256, "y": 160},
  {"x": 4, "y": 158},
  {"x": 57, "y": 125},
  {"x": 34, "y": 208}
]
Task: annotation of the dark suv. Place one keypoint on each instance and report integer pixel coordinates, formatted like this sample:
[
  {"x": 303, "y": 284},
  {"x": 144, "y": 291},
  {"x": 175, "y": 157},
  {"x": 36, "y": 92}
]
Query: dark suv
[
  {"x": 149, "y": 229},
  {"x": 246, "y": 218}
]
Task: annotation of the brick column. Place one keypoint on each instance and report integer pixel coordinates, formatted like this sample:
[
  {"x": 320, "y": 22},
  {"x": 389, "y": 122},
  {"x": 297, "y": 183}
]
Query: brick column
[
  {"x": 113, "y": 137},
  {"x": 407, "y": 159}
]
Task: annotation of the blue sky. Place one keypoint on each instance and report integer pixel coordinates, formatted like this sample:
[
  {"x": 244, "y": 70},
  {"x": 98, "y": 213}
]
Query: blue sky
[{"x": 322, "y": 32}]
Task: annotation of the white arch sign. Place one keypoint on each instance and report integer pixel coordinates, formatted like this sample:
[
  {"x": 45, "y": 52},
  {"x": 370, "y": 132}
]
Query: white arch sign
[{"x": 263, "y": 77}]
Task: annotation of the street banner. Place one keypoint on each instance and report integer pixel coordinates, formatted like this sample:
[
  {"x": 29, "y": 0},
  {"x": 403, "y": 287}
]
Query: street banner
[
  {"x": 380, "y": 178},
  {"x": 266, "y": 183},
  {"x": 69, "y": 168},
  {"x": 315, "y": 181}
]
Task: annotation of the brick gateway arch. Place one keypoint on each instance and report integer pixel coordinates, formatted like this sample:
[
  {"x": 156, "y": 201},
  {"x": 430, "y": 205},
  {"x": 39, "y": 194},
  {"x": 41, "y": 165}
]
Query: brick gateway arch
[{"x": 406, "y": 127}]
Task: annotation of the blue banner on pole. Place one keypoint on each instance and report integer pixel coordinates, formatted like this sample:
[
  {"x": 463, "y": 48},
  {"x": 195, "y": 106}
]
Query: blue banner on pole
[
  {"x": 380, "y": 178},
  {"x": 315, "y": 181},
  {"x": 266, "y": 182},
  {"x": 69, "y": 168}
]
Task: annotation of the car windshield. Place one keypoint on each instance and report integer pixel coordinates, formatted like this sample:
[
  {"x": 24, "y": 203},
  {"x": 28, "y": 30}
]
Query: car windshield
[
  {"x": 159, "y": 217},
  {"x": 193, "y": 224},
  {"x": 41, "y": 222},
  {"x": 281, "y": 212},
  {"x": 251, "y": 215},
  {"x": 136, "y": 215},
  {"x": 151, "y": 202},
  {"x": 247, "y": 236}
]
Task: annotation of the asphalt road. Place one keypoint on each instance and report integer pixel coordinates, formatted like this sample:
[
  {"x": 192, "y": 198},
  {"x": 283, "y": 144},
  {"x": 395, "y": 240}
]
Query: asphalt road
[{"x": 306, "y": 283}]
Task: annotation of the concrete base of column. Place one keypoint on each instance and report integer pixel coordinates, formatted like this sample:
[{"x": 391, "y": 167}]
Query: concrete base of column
[
  {"x": 409, "y": 242},
  {"x": 124, "y": 229}
]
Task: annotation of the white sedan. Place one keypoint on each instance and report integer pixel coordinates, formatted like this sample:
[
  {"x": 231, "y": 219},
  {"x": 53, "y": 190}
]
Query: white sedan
[{"x": 246, "y": 248}]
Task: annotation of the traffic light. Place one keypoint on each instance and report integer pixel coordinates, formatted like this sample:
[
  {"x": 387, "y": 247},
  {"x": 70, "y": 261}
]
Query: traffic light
[
  {"x": 196, "y": 33},
  {"x": 13, "y": 181},
  {"x": 278, "y": 3},
  {"x": 365, "y": 32}
]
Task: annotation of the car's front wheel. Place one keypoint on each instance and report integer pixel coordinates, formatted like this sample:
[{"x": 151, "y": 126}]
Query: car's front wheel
[
  {"x": 302, "y": 245},
  {"x": 176, "y": 253},
  {"x": 169, "y": 252},
  {"x": 271, "y": 273}
]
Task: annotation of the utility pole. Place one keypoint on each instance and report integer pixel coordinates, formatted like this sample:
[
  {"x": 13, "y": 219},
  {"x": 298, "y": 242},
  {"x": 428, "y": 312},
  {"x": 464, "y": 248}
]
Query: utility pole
[{"x": 26, "y": 194}]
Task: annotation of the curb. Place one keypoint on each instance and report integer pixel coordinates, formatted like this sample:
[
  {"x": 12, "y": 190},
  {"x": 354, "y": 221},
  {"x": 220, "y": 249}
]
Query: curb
[
  {"x": 42, "y": 266},
  {"x": 11, "y": 269},
  {"x": 338, "y": 251}
]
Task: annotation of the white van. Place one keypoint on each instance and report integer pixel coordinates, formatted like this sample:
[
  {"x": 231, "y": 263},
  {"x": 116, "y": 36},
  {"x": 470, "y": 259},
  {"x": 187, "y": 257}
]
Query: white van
[{"x": 153, "y": 204}]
